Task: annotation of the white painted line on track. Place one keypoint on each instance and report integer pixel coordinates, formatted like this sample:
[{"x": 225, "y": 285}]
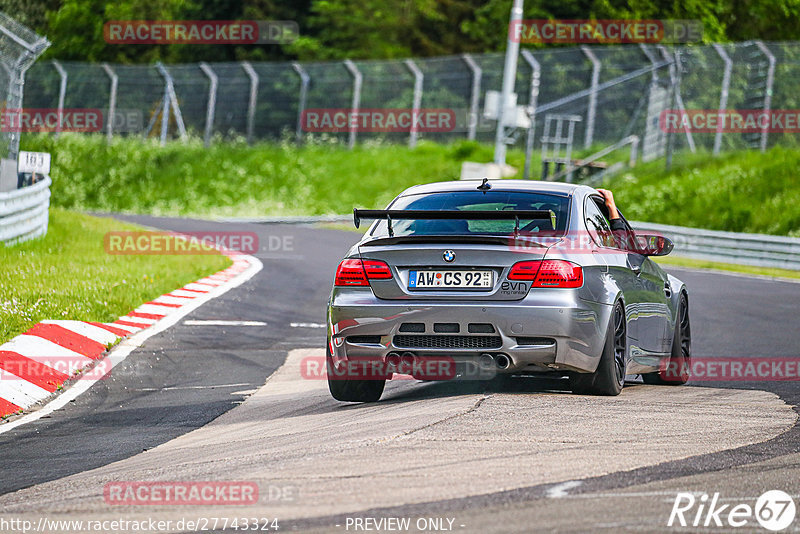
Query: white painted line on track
[
  {"x": 128, "y": 345},
  {"x": 223, "y": 323},
  {"x": 308, "y": 325},
  {"x": 562, "y": 490},
  {"x": 177, "y": 388}
]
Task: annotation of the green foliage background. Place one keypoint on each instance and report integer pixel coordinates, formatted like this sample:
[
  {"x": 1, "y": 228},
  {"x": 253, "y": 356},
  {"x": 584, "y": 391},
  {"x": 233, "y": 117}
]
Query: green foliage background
[
  {"x": 740, "y": 191},
  {"x": 368, "y": 29}
]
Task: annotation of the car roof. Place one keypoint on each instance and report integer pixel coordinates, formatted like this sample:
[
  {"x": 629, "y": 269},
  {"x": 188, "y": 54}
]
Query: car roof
[{"x": 499, "y": 185}]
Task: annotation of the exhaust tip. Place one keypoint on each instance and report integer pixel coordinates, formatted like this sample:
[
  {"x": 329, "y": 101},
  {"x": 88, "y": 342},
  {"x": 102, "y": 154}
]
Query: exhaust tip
[
  {"x": 393, "y": 359},
  {"x": 407, "y": 359},
  {"x": 486, "y": 360},
  {"x": 503, "y": 361}
]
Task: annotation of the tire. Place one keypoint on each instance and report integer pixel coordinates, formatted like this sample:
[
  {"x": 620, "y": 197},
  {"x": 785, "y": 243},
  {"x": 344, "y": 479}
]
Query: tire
[
  {"x": 609, "y": 377},
  {"x": 676, "y": 370},
  {"x": 353, "y": 390}
]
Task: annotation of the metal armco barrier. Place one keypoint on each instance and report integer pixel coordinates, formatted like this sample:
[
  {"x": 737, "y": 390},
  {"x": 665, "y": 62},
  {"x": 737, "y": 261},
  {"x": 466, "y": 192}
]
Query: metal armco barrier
[
  {"x": 730, "y": 247},
  {"x": 24, "y": 212}
]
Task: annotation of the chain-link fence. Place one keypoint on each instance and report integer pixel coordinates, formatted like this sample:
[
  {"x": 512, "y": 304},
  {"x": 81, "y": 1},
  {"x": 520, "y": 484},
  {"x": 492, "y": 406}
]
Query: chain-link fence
[
  {"x": 23, "y": 212},
  {"x": 615, "y": 91},
  {"x": 19, "y": 48}
]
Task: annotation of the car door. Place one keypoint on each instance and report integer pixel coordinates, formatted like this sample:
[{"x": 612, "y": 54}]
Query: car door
[
  {"x": 663, "y": 307},
  {"x": 652, "y": 302},
  {"x": 599, "y": 230}
]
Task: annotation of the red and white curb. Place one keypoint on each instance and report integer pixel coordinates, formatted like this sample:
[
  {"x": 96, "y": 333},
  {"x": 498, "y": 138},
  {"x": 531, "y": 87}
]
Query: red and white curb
[{"x": 36, "y": 364}]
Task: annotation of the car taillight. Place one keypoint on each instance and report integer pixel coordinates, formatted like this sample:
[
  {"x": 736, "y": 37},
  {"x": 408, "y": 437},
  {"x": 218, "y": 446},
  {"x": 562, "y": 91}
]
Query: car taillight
[
  {"x": 548, "y": 273},
  {"x": 524, "y": 270},
  {"x": 351, "y": 273},
  {"x": 377, "y": 270},
  {"x": 559, "y": 273},
  {"x": 355, "y": 272}
]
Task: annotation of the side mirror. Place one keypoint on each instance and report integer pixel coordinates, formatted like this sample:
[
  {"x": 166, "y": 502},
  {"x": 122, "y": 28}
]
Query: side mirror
[{"x": 652, "y": 244}]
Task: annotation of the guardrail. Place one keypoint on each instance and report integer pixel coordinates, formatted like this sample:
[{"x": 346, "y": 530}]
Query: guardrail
[
  {"x": 730, "y": 247},
  {"x": 24, "y": 212}
]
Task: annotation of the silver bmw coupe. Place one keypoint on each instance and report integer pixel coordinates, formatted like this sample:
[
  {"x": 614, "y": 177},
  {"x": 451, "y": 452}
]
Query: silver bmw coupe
[{"x": 469, "y": 279}]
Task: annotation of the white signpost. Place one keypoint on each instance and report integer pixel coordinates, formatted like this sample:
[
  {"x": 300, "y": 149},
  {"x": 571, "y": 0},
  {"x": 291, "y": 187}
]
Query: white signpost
[{"x": 34, "y": 162}]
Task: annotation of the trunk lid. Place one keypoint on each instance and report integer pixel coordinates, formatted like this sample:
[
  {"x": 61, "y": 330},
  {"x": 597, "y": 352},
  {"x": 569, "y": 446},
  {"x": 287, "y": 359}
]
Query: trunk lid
[{"x": 470, "y": 254}]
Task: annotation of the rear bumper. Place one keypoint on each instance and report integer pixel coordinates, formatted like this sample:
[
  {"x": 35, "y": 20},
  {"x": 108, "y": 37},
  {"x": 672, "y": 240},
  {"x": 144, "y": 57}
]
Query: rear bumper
[{"x": 570, "y": 331}]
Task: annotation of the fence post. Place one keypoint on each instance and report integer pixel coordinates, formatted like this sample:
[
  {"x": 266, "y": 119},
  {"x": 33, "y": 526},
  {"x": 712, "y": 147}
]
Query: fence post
[
  {"x": 357, "y": 79},
  {"x": 723, "y": 94},
  {"x": 536, "y": 71},
  {"x": 675, "y": 78},
  {"x": 15, "y": 83},
  {"x": 509, "y": 79},
  {"x": 211, "y": 108},
  {"x": 305, "y": 79},
  {"x": 672, "y": 96},
  {"x": 418, "y": 80},
  {"x": 62, "y": 94},
  {"x": 592, "y": 111},
  {"x": 475, "y": 95},
  {"x": 251, "y": 105},
  {"x": 20, "y": 48},
  {"x": 164, "y": 116},
  {"x": 170, "y": 100},
  {"x": 767, "y": 91},
  {"x": 112, "y": 100}
]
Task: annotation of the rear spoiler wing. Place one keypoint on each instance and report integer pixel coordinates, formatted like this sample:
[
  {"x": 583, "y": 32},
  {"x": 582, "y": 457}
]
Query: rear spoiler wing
[{"x": 482, "y": 215}]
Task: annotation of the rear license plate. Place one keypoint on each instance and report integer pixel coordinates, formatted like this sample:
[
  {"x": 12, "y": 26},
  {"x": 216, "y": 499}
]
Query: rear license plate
[{"x": 450, "y": 280}]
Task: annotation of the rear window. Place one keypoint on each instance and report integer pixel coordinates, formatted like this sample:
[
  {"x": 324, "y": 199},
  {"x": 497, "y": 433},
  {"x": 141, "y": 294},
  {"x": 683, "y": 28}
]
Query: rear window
[{"x": 467, "y": 201}]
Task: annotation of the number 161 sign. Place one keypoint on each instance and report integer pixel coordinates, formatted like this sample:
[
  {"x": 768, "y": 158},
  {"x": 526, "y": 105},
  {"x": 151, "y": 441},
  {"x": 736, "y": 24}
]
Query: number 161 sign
[{"x": 34, "y": 162}]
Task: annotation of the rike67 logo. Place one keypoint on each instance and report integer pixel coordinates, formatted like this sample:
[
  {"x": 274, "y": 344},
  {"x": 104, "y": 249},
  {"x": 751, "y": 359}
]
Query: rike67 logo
[{"x": 774, "y": 510}]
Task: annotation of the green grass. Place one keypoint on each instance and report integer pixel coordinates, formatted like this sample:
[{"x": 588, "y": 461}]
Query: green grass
[
  {"x": 737, "y": 192},
  {"x": 68, "y": 275},
  {"x": 744, "y": 191},
  {"x": 234, "y": 179},
  {"x": 678, "y": 261}
]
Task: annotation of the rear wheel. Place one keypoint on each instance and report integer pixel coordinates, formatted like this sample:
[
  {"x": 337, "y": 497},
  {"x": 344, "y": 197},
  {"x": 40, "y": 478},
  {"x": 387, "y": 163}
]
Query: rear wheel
[
  {"x": 347, "y": 389},
  {"x": 675, "y": 371},
  {"x": 609, "y": 377}
]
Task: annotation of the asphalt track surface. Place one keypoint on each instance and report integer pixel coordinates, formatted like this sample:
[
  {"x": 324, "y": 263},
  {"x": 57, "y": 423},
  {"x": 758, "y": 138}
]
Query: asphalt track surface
[{"x": 488, "y": 456}]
